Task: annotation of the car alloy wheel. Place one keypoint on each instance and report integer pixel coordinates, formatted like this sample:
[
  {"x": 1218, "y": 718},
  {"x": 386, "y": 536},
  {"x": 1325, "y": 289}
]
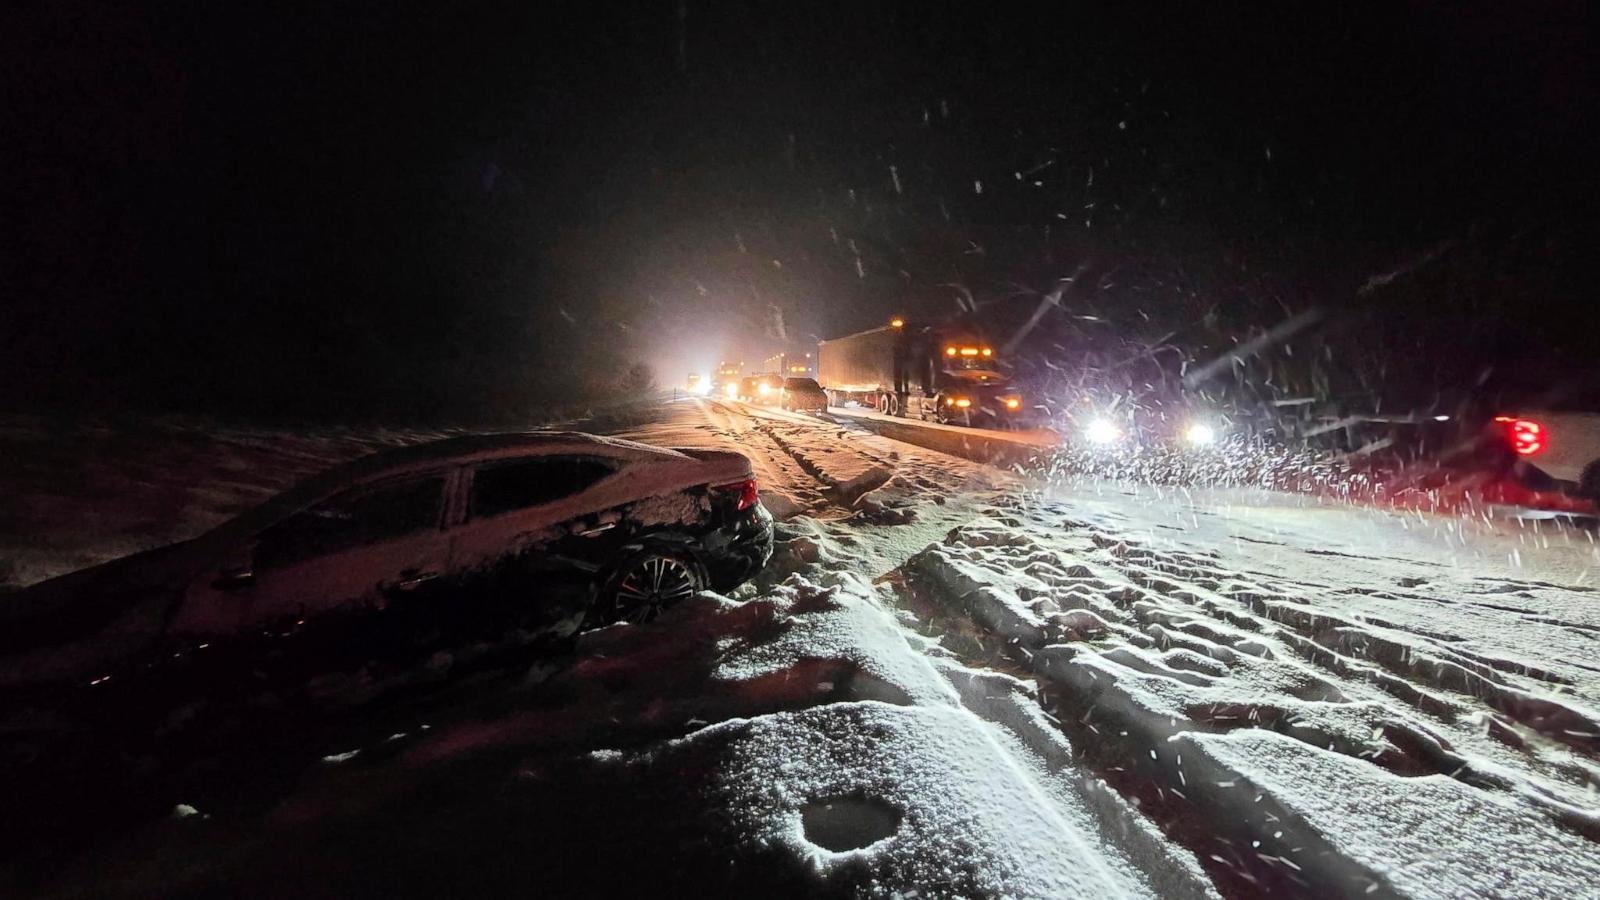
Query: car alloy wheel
[{"x": 653, "y": 583}]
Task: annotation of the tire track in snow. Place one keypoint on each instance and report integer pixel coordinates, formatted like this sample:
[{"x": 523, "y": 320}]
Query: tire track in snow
[
  {"x": 927, "y": 468},
  {"x": 734, "y": 426},
  {"x": 834, "y": 491},
  {"x": 1151, "y": 645}
]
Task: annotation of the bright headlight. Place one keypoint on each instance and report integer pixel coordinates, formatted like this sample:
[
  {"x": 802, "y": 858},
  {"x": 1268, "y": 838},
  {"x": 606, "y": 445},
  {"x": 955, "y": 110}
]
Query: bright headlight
[
  {"x": 1102, "y": 431},
  {"x": 731, "y": 391},
  {"x": 763, "y": 389},
  {"x": 1199, "y": 434}
]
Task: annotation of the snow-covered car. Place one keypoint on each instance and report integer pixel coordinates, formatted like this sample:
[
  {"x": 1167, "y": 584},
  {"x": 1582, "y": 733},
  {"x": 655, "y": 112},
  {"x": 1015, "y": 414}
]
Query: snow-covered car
[
  {"x": 1561, "y": 444},
  {"x": 483, "y": 540},
  {"x": 803, "y": 395}
]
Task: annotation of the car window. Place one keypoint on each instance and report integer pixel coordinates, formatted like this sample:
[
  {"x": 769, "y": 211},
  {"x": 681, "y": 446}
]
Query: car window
[
  {"x": 506, "y": 486},
  {"x": 801, "y": 384},
  {"x": 353, "y": 519}
]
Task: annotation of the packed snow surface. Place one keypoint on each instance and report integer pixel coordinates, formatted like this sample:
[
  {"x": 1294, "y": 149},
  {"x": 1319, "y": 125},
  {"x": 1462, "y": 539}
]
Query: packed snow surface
[{"x": 962, "y": 679}]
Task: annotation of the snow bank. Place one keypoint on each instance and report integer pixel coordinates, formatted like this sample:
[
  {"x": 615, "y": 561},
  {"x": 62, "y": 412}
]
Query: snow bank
[
  {"x": 1144, "y": 651},
  {"x": 842, "y": 621},
  {"x": 894, "y": 502},
  {"x": 1421, "y": 837}
]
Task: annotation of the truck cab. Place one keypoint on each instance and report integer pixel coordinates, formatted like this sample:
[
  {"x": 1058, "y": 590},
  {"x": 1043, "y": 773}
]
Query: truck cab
[
  {"x": 953, "y": 376},
  {"x": 725, "y": 380}
]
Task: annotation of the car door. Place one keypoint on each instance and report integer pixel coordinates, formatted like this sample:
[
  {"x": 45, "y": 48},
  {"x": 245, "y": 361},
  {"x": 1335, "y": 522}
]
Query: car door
[
  {"x": 534, "y": 538},
  {"x": 344, "y": 557}
]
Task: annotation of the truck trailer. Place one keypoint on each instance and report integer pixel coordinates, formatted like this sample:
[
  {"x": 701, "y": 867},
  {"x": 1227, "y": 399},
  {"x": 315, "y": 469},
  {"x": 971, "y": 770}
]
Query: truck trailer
[{"x": 944, "y": 373}]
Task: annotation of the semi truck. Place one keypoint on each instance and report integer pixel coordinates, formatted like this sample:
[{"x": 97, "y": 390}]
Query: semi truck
[
  {"x": 944, "y": 373},
  {"x": 789, "y": 365},
  {"x": 725, "y": 379}
]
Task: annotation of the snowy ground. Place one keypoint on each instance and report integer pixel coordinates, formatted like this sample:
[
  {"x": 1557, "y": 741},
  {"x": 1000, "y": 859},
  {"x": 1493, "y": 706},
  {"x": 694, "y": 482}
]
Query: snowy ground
[
  {"x": 82, "y": 492},
  {"x": 955, "y": 679}
]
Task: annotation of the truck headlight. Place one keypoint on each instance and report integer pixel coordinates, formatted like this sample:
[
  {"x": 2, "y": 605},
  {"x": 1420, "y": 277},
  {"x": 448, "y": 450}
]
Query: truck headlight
[
  {"x": 764, "y": 389},
  {"x": 1199, "y": 434},
  {"x": 1102, "y": 431},
  {"x": 1013, "y": 403},
  {"x": 962, "y": 403}
]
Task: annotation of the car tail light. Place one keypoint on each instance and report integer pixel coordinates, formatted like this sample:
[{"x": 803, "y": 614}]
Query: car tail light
[
  {"x": 1526, "y": 436},
  {"x": 746, "y": 492}
]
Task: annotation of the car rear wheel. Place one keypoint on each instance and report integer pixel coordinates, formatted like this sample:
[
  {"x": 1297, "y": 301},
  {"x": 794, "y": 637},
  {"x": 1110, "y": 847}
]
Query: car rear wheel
[{"x": 647, "y": 582}]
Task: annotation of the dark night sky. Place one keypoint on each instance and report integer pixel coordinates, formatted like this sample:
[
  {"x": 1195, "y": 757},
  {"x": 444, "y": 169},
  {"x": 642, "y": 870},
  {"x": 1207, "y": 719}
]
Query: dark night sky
[{"x": 387, "y": 208}]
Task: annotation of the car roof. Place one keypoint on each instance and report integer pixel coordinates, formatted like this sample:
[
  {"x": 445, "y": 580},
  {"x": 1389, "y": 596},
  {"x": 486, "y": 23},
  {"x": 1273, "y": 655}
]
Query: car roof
[{"x": 460, "y": 450}]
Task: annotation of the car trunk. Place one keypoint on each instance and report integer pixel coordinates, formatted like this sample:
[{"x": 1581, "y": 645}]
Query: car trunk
[{"x": 722, "y": 465}]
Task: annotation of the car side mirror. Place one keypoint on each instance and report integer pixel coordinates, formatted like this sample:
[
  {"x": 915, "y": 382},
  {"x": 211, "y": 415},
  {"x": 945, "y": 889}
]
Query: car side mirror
[{"x": 234, "y": 577}]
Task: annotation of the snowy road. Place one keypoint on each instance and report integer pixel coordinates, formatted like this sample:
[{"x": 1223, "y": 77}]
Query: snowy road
[
  {"x": 1368, "y": 701},
  {"x": 958, "y": 680}
]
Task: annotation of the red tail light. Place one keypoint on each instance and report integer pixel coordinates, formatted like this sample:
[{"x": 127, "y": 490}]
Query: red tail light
[
  {"x": 1526, "y": 436},
  {"x": 748, "y": 495}
]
